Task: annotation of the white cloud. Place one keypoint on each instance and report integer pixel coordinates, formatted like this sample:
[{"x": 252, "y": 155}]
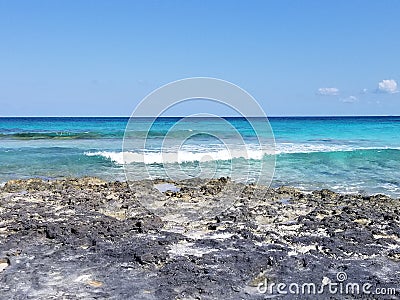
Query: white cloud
[
  {"x": 364, "y": 91},
  {"x": 388, "y": 86},
  {"x": 350, "y": 99},
  {"x": 330, "y": 91}
]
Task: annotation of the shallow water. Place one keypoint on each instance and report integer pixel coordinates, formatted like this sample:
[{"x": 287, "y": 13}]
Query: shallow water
[
  {"x": 163, "y": 187},
  {"x": 346, "y": 154}
]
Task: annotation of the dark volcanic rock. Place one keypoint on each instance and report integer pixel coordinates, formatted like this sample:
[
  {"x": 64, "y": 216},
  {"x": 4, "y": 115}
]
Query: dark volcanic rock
[{"x": 90, "y": 239}]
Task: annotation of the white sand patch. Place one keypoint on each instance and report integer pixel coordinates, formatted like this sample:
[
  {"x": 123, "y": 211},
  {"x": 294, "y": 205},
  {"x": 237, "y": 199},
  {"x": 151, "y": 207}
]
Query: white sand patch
[{"x": 184, "y": 248}]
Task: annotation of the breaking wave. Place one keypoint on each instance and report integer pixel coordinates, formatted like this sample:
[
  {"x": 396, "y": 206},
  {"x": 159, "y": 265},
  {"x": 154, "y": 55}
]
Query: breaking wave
[{"x": 120, "y": 157}]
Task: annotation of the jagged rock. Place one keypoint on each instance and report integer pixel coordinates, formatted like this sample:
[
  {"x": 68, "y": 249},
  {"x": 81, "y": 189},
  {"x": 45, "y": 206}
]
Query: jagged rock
[
  {"x": 4, "y": 263},
  {"x": 86, "y": 238}
]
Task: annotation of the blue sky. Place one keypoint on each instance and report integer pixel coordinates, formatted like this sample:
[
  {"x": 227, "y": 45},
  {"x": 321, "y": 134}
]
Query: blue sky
[{"x": 295, "y": 57}]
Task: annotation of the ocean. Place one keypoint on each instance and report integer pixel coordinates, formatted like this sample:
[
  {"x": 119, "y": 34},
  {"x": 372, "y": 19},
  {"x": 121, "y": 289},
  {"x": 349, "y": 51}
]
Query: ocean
[{"x": 344, "y": 154}]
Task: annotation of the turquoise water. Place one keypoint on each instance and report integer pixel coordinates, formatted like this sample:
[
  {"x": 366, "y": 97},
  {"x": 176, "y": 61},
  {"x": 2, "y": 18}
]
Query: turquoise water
[{"x": 346, "y": 154}]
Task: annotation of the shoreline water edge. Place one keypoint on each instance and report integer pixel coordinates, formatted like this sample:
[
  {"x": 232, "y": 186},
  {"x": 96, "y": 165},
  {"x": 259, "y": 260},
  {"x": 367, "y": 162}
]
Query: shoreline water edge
[
  {"x": 343, "y": 154},
  {"x": 86, "y": 238}
]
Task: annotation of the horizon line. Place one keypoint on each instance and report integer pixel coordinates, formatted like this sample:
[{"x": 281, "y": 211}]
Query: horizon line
[{"x": 226, "y": 116}]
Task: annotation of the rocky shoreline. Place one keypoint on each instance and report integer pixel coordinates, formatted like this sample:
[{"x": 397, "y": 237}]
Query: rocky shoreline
[{"x": 90, "y": 239}]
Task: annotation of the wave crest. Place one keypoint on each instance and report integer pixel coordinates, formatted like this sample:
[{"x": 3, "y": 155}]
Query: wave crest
[
  {"x": 176, "y": 157},
  {"x": 183, "y": 156}
]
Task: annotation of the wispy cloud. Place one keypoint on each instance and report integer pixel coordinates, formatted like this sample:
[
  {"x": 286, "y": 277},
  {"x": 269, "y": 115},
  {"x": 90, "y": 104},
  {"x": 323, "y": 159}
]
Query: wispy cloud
[
  {"x": 388, "y": 86},
  {"x": 328, "y": 91},
  {"x": 350, "y": 99}
]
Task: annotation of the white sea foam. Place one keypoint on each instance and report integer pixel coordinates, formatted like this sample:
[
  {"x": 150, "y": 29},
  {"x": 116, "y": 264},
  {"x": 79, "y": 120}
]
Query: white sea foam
[
  {"x": 177, "y": 157},
  {"x": 205, "y": 154},
  {"x": 283, "y": 148}
]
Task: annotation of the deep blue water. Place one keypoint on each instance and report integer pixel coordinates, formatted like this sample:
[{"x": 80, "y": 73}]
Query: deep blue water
[{"x": 346, "y": 154}]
